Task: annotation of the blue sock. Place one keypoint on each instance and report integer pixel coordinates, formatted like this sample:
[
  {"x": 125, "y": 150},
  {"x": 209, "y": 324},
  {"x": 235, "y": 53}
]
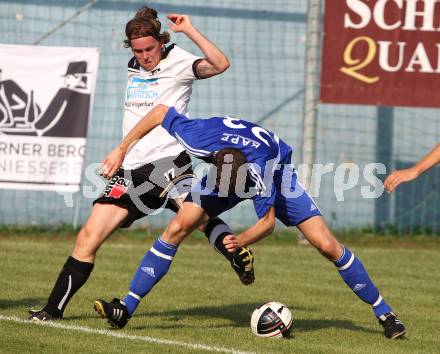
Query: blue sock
[
  {"x": 153, "y": 267},
  {"x": 356, "y": 277}
]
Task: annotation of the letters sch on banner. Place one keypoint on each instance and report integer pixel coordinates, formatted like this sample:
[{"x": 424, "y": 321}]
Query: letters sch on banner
[{"x": 381, "y": 52}]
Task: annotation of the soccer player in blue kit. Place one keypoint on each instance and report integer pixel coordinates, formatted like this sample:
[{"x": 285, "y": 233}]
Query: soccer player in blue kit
[{"x": 248, "y": 162}]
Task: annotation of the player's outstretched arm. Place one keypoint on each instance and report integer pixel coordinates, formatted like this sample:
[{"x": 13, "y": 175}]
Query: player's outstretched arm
[
  {"x": 261, "y": 229},
  {"x": 113, "y": 161},
  {"x": 400, "y": 176},
  {"x": 215, "y": 61}
]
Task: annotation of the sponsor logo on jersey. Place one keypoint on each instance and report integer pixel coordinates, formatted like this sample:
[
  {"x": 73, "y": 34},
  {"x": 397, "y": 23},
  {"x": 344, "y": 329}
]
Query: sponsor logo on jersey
[
  {"x": 117, "y": 187},
  {"x": 139, "y": 88},
  {"x": 141, "y": 94},
  {"x": 138, "y": 81},
  {"x": 139, "y": 104}
]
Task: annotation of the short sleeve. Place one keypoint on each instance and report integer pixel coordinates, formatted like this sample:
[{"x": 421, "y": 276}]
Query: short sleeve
[
  {"x": 174, "y": 121},
  {"x": 184, "y": 65},
  {"x": 187, "y": 132}
]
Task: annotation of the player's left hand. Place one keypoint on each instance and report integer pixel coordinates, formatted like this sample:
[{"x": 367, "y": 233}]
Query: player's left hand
[
  {"x": 111, "y": 163},
  {"x": 179, "y": 23},
  {"x": 231, "y": 243}
]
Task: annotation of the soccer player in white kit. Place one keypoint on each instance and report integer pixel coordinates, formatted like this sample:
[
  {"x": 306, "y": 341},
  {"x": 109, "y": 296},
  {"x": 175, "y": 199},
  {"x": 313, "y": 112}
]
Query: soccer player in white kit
[{"x": 157, "y": 172}]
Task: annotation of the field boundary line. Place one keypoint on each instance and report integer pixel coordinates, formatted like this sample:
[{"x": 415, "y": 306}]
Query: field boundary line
[
  {"x": 115, "y": 334},
  {"x": 122, "y": 245}
]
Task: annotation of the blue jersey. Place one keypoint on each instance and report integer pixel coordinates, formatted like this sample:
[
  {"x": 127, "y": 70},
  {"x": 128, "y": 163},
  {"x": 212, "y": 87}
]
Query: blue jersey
[{"x": 264, "y": 151}]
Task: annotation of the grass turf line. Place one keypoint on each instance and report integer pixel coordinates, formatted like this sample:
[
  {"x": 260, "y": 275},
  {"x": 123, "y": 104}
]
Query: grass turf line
[{"x": 202, "y": 301}]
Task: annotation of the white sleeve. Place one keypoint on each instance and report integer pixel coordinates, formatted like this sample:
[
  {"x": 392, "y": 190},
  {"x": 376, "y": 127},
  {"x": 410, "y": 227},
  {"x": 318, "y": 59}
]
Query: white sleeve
[{"x": 183, "y": 67}]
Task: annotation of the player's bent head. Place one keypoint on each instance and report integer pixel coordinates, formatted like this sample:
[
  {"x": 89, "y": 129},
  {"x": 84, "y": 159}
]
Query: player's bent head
[
  {"x": 145, "y": 23},
  {"x": 229, "y": 174}
]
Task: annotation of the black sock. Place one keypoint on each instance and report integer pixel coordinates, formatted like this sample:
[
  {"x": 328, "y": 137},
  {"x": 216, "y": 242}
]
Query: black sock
[
  {"x": 215, "y": 231},
  {"x": 72, "y": 277}
]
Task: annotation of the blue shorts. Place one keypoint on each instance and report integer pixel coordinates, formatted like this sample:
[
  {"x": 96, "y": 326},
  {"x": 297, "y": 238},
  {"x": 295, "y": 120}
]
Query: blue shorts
[{"x": 292, "y": 203}]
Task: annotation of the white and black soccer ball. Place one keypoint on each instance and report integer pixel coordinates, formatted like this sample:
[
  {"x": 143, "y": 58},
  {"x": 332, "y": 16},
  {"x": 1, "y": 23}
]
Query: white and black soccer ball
[{"x": 272, "y": 319}]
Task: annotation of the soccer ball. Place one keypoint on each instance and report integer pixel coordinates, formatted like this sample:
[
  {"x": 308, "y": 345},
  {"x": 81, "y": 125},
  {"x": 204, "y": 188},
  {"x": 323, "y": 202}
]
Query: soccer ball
[{"x": 272, "y": 319}]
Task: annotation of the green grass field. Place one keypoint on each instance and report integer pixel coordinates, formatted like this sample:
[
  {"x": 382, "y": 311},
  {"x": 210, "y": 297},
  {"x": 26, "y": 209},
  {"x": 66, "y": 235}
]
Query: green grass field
[{"x": 201, "y": 306}]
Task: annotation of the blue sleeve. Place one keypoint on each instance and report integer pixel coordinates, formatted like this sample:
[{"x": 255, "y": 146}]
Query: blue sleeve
[
  {"x": 187, "y": 132},
  {"x": 174, "y": 122}
]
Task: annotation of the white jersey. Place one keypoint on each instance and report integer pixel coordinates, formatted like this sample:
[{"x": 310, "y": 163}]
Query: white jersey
[{"x": 169, "y": 83}]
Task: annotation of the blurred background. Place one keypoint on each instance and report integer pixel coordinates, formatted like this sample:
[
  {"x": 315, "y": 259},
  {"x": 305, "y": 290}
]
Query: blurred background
[{"x": 269, "y": 44}]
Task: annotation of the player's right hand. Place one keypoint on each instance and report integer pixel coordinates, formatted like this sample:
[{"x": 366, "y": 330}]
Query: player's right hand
[
  {"x": 112, "y": 163},
  {"x": 398, "y": 177},
  {"x": 179, "y": 23},
  {"x": 230, "y": 243}
]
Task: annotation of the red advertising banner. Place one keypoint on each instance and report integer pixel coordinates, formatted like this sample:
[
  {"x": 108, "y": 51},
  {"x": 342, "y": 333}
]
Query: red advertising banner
[{"x": 381, "y": 52}]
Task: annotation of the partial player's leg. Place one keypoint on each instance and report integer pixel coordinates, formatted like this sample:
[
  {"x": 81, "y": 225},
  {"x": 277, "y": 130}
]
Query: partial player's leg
[
  {"x": 242, "y": 260},
  {"x": 352, "y": 272},
  {"x": 295, "y": 207},
  {"x": 154, "y": 265},
  {"x": 103, "y": 220}
]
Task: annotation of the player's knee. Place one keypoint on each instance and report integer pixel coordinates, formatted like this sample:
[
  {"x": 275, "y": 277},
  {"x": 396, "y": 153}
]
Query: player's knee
[
  {"x": 86, "y": 242},
  {"x": 178, "y": 229},
  {"x": 329, "y": 247}
]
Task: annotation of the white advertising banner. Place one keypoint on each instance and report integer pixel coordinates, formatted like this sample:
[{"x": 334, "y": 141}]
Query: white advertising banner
[{"x": 46, "y": 97}]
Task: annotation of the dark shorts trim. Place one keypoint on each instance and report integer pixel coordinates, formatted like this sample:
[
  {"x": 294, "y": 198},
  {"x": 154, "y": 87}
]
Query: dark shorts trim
[{"x": 146, "y": 189}]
